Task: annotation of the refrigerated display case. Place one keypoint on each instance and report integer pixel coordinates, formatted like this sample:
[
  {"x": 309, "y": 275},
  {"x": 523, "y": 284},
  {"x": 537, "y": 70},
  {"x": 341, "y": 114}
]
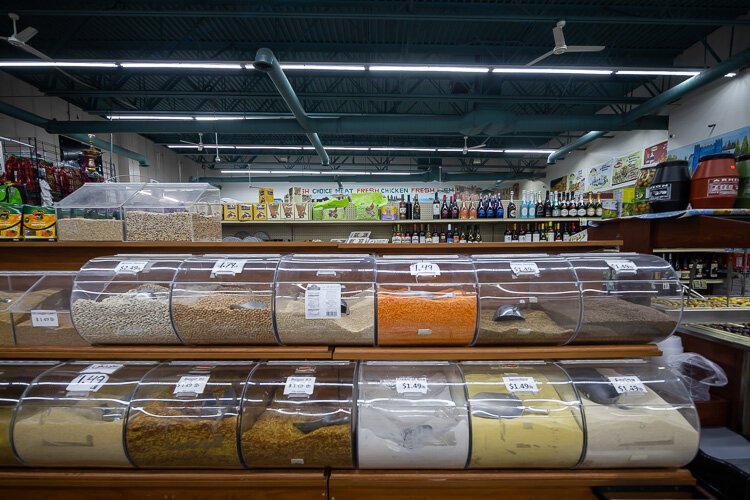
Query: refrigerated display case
[
  {"x": 225, "y": 299},
  {"x": 186, "y": 414},
  {"x": 518, "y": 294},
  {"x": 412, "y": 415},
  {"x": 74, "y": 415},
  {"x": 13, "y": 286},
  {"x": 124, "y": 299},
  {"x": 299, "y": 414},
  {"x": 426, "y": 300},
  {"x": 325, "y": 299}
]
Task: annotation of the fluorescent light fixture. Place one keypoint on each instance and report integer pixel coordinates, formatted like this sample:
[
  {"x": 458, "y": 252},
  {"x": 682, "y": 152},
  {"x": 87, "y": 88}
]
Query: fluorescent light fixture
[
  {"x": 348, "y": 148},
  {"x": 205, "y": 146},
  {"x": 181, "y": 65},
  {"x": 150, "y": 117},
  {"x": 3, "y": 138},
  {"x": 530, "y": 151},
  {"x": 388, "y": 148},
  {"x": 553, "y": 71},
  {"x": 396, "y": 173},
  {"x": 477, "y": 150},
  {"x": 430, "y": 69},
  {"x": 241, "y": 146},
  {"x": 56, "y": 64},
  {"x": 209, "y": 118},
  {"x": 730, "y": 75},
  {"x": 324, "y": 67},
  {"x": 245, "y": 171},
  {"x": 656, "y": 72}
]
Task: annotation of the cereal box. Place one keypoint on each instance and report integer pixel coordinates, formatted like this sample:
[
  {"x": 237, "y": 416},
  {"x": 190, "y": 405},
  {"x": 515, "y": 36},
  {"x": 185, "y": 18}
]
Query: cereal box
[
  {"x": 265, "y": 195},
  {"x": 245, "y": 212},
  {"x": 260, "y": 211},
  {"x": 230, "y": 211}
]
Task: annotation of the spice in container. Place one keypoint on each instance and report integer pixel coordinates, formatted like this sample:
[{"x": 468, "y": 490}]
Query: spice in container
[{"x": 83, "y": 229}]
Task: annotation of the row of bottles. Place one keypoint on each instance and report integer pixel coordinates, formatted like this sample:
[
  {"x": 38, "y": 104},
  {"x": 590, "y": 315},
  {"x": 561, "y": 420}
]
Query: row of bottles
[
  {"x": 540, "y": 232},
  {"x": 700, "y": 266},
  {"x": 465, "y": 234},
  {"x": 560, "y": 204}
]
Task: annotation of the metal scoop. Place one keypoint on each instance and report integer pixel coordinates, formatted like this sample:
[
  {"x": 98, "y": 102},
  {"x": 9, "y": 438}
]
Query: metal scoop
[
  {"x": 250, "y": 304},
  {"x": 508, "y": 312},
  {"x": 496, "y": 405},
  {"x": 331, "y": 419},
  {"x": 593, "y": 385}
]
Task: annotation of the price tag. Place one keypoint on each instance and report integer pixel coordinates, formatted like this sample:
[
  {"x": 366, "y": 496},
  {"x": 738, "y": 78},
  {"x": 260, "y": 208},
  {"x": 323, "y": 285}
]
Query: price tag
[
  {"x": 627, "y": 384},
  {"x": 108, "y": 368},
  {"x": 619, "y": 266},
  {"x": 299, "y": 385},
  {"x": 405, "y": 385},
  {"x": 700, "y": 284},
  {"x": 131, "y": 266},
  {"x": 228, "y": 266},
  {"x": 191, "y": 384},
  {"x": 520, "y": 268},
  {"x": 323, "y": 301},
  {"x": 424, "y": 269},
  {"x": 520, "y": 384},
  {"x": 87, "y": 382},
  {"x": 42, "y": 317}
]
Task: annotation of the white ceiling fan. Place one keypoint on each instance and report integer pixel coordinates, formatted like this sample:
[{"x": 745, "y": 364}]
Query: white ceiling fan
[
  {"x": 562, "y": 48},
  {"x": 478, "y": 146},
  {"x": 199, "y": 144}
]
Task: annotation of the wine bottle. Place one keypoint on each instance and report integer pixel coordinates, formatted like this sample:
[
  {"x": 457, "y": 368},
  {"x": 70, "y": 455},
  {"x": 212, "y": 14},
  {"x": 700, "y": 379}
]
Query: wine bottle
[
  {"x": 449, "y": 235},
  {"x": 548, "y": 206},
  {"x": 416, "y": 210},
  {"x": 598, "y": 209},
  {"x": 564, "y": 207},
  {"x": 445, "y": 212},
  {"x": 511, "y": 207},
  {"x": 590, "y": 206},
  {"x": 402, "y": 209},
  {"x": 508, "y": 235},
  {"x": 499, "y": 210},
  {"x": 436, "y": 207}
]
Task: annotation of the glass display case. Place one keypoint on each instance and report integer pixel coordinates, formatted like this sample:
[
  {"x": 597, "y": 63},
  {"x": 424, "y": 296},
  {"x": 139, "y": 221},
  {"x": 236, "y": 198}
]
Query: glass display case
[
  {"x": 426, "y": 300},
  {"x": 225, "y": 299},
  {"x": 325, "y": 299},
  {"x": 74, "y": 415},
  {"x": 124, "y": 299},
  {"x": 94, "y": 212},
  {"x": 15, "y": 377},
  {"x": 186, "y": 415},
  {"x": 523, "y": 414},
  {"x": 620, "y": 293},
  {"x": 42, "y": 315},
  {"x": 299, "y": 414},
  {"x": 412, "y": 415},
  {"x": 13, "y": 285},
  {"x": 518, "y": 294},
  {"x": 637, "y": 413},
  {"x": 174, "y": 212}
]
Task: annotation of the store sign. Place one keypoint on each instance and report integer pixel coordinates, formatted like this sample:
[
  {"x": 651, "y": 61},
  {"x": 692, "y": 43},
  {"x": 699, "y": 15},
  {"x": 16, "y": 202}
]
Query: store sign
[
  {"x": 520, "y": 384},
  {"x": 527, "y": 268},
  {"x": 299, "y": 386},
  {"x": 44, "y": 318},
  {"x": 424, "y": 269},
  {"x": 108, "y": 368},
  {"x": 323, "y": 301},
  {"x": 228, "y": 266},
  {"x": 627, "y": 384},
  {"x": 411, "y": 385},
  {"x": 191, "y": 384},
  {"x": 131, "y": 266},
  {"x": 87, "y": 382}
]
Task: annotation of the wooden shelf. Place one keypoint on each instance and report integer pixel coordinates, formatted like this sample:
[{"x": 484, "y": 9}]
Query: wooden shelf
[
  {"x": 159, "y": 353},
  {"x": 409, "y": 221}
]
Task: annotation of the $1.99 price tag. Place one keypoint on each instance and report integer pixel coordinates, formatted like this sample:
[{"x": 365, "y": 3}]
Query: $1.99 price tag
[
  {"x": 191, "y": 384},
  {"x": 299, "y": 386},
  {"x": 406, "y": 385},
  {"x": 87, "y": 382},
  {"x": 520, "y": 384},
  {"x": 44, "y": 318},
  {"x": 626, "y": 384}
]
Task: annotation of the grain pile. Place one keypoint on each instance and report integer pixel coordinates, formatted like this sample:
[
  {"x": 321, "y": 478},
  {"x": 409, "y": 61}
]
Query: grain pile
[
  {"x": 7, "y": 299},
  {"x": 171, "y": 226},
  {"x": 536, "y": 328},
  {"x": 355, "y": 328},
  {"x": 47, "y": 299},
  {"x": 7, "y": 457},
  {"x": 81, "y": 229},
  {"x": 206, "y": 227}
]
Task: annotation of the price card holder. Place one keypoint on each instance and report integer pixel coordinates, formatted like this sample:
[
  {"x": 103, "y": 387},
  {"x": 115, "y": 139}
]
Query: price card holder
[
  {"x": 521, "y": 384},
  {"x": 87, "y": 382},
  {"x": 627, "y": 384},
  {"x": 191, "y": 385},
  {"x": 524, "y": 269},
  {"x": 108, "y": 368},
  {"x": 228, "y": 267},
  {"x": 622, "y": 266},
  {"x": 424, "y": 270},
  {"x": 131, "y": 266},
  {"x": 299, "y": 386},
  {"x": 44, "y": 318},
  {"x": 411, "y": 385}
]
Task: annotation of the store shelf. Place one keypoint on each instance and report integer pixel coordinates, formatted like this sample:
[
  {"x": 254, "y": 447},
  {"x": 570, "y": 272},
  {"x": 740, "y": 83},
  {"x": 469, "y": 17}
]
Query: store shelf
[
  {"x": 167, "y": 352},
  {"x": 582, "y": 220},
  {"x": 711, "y": 314},
  {"x": 708, "y": 282},
  {"x": 716, "y": 335}
]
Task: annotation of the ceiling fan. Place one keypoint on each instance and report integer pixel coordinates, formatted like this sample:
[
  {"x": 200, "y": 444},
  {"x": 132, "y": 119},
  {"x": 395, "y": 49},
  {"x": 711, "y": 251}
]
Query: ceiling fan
[
  {"x": 199, "y": 144},
  {"x": 562, "y": 48},
  {"x": 478, "y": 146}
]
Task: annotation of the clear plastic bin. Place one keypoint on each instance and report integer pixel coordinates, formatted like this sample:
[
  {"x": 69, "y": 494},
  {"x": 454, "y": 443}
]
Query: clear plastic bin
[
  {"x": 426, "y": 300},
  {"x": 13, "y": 285},
  {"x": 325, "y": 299},
  {"x": 124, "y": 299},
  {"x": 520, "y": 294},
  {"x": 225, "y": 299},
  {"x": 186, "y": 414},
  {"x": 412, "y": 415},
  {"x": 299, "y": 414},
  {"x": 74, "y": 415}
]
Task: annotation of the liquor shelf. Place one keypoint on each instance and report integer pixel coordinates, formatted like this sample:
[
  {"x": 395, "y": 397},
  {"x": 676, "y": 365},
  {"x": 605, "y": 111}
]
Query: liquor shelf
[{"x": 582, "y": 220}]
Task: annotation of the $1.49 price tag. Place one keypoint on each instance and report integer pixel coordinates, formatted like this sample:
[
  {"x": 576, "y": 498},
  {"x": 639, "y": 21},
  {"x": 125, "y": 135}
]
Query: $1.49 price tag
[
  {"x": 520, "y": 384},
  {"x": 191, "y": 384},
  {"x": 521, "y": 268},
  {"x": 87, "y": 382},
  {"x": 42, "y": 317},
  {"x": 622, "y": 266},
  {"x": 299, "y": 386},
  {"x": 406, "y": 385},
  {"x": 626, "y": 384}
]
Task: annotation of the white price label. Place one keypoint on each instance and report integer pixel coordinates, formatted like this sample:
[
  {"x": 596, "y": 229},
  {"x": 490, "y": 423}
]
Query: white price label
[
  {"x": 428, "y": 269},
  {"x": 228, "y": 266},
  {"x": 87, "y": 382},
  {"x": 44, "y": 318},
  {"x": 626, "y": 384},
  {"x": 191, "y": 384},
  {"x": 520, "y": 384},
  {"x": 131, "y": 266},
  {"x": 520, "y": 268},
  {"x": 108, "y": 368},
  {"x": 323, "y": 301},
  {"x": 622, "y": 266},
  {"x": 406, "y": 385},
  {"x": 299, "y": 385}
]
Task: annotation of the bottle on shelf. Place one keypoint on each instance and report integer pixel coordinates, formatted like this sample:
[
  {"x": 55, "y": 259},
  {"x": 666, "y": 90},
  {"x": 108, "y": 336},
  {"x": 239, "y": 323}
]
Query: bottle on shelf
[
  {"x": 511, "y": 207},
  {"x": 524, "y": 205},
  {"x": 573, "y": 206},
  {"x": 462, "y": 238},
  {"x": 508, "y": 235},
  {"x": 598, "y": 209},
  {"x": 590, "y": 206},
  {"x": 522, "y": 234},
  {"x": 482, "y": 208},
  {"x": 396, "y": 235},
  {"x": 477, "y": 234},
  {"x": 444, "y": 210},
  {"x": 463, "y": 208},
  {"x": 558, "y": 233},
  {"x": 436, "y": 207},
  {"x": 555, "y": 205},
  {"x": 415, "y": 234},
  {"x": 550, "y": 232},
  {"x": 408, "y": 207},
  {"x": 713, "y": 270},
  {"x": 454, "y": 207},
  {"x": 443, "y": 238},
  {"x": 548, "y": 206},
  {"x": 539, "y": 208},
  {"x": 535, "y": 235},
  {"x": 473, "y": 208},
  {"x": 566, "y": 232},
  {"x": 498, "y": 207},
  {"x": 542, "y": 233},
  {"x": 416, "y": 211},
  {"x": 514, "y": 237},
  {"x": 564, "y": 206},
  {"x": 581, "y": 206},
  {"x": 402, "y": 209},
  {"x": 422, "y": 238},
  {"x": 428, "y": 235},
  {"x": 406, "y": 237},
  {"x": 449, "y": 235}
]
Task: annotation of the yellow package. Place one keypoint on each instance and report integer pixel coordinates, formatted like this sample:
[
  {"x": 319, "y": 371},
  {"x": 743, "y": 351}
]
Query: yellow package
[
  {"x": 230, "y": 211},
  {"x": 245, "y": 211},
  {"x": 260, "y": 211},
  {"x": 39, "y": 223},
  {"x": 10, "y": 221},
  {"x": 265, "y": 195}
]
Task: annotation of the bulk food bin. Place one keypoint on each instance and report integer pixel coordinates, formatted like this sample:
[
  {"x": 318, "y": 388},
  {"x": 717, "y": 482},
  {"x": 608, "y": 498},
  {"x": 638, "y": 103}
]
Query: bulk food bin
[
  {"x": 174, "y": 212},
  {"x": 619, "y": 292},
  {"x": 516, "y": 295},
  {"x": 412, "y": 415},
  {"x": 185, "y": 414},
  {"x": 13, "y": 285},
  {"x": 94, "y": 212},
  {"x": 43, "y": 315},
  {"x": 124, "y": 299},
  {"x": 15, "y": 377},
  {"x": 225, "y": 299},
  {"x": 426, "y": 300},
  {"x": 325, "y": 299},
  {"x": 523, "y": 414},
  {"x": 299, "y": 414},
  {"x": 74, "y": 415}
]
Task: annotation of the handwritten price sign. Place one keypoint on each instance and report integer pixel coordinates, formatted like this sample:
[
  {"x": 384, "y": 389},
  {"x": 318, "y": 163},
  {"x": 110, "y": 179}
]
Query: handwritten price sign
[
  {"x": 191, "y": 384},
  {"x": 405, "y": 385},
  {"x": 299, "y": 386},
  {"x": 520, "y": 384}
]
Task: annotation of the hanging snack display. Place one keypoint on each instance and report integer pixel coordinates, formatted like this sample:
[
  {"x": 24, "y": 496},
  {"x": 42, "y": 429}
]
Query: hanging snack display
[
  {"x": 426, "y": 300},
  {"x": 185, "y": 415},
  {"x": 13, "y": 285},
  {"x": 298, "y": 414},
  {"x": 74, "y": 415},
  {"x": 412, "y": 415},
  {"x": 325, "y": 299}
]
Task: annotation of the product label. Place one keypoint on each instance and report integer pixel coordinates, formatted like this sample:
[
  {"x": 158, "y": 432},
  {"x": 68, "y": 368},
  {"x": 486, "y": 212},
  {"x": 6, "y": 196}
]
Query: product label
[
  {"x": 323, "y": 301},
  {"x": 406, "y": 385},
  {"x": 627, "y": 384},
  {"x": 191, "y": 384},
  {"x": 108, "y": 368},
  {"x": 131, "y": 266},
  {"x": 87, "y": 382},
  {"x": 723, "y": 186},
  {"x": 521, "y": 268},
  {"x": 520, "y": 384},
  {"x": 660, "y": 192},
  {"x": 228, "y": 266},
  {"x": 622, "y": 266},
  {"x": 44, "y": 318},
  {"x": 424, "y": 269},
  {"x": 299, "y": 386}
]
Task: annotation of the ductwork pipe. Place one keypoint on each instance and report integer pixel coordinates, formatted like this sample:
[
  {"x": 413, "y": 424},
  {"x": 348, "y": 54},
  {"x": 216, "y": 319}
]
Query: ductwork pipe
[{"x": 265, "y": 61}]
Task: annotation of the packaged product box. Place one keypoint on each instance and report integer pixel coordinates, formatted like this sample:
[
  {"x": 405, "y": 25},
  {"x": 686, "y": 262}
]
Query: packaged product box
[
  {"x": 301, "y": 211},
  {"x": 280, "y": 211},
  {"x": 245, "y": 211},
  {"x": 39, "y": 223},
  {"x": 230, "y": 211},
  {"x": 609, "y": 209},
  {"x": 10, "y": 221},
  {"x": 367, "y": 205},
  {"x": 260, "y": 211},
  {"x": 334, "y": 213},
  {"x": 265, "y": 195}
]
